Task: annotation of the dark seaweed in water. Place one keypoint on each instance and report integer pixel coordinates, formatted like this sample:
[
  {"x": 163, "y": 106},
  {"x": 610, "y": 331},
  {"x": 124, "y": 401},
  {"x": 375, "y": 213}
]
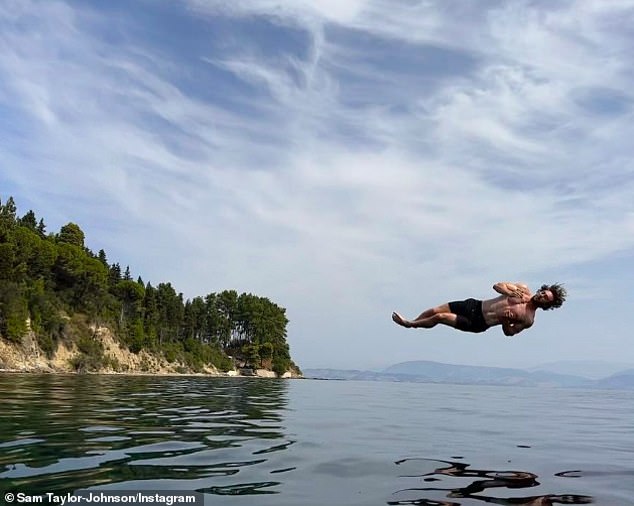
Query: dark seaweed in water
[{"x": 485, "y": 479}]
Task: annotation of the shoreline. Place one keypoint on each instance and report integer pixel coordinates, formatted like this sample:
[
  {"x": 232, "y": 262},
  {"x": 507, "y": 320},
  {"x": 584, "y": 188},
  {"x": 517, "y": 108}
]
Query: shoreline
[{"x": 143, "y": 373}]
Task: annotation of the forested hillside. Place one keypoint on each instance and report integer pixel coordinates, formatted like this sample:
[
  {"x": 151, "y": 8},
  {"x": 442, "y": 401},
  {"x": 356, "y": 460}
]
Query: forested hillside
[{"x": 50, "y": 280}]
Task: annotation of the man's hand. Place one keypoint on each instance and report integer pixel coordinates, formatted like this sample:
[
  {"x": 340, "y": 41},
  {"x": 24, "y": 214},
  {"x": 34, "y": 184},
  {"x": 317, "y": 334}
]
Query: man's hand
[{"x": 510, "y": 329}]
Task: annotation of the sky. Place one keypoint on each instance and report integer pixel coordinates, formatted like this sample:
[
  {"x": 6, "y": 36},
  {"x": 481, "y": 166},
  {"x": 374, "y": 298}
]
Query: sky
[{"x": 343, "y": 159}]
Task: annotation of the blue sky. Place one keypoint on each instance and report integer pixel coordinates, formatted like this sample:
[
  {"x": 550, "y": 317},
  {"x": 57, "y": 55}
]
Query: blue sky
[{"x": 344, "y": 159}]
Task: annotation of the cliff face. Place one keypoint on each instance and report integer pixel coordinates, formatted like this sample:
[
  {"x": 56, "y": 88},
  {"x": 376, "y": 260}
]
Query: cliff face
[{"x": 28, "y": 356}]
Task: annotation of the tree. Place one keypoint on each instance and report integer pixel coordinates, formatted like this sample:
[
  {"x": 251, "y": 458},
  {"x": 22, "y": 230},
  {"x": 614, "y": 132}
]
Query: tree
[
  {"x": 26, "y": 244},
  {"x": 131, "y": 296},
  {"x": 194, "y": 319},
  {"x": 102, "y": 257},
  {"x": 68, "y": 267},
  {"x": 8, "y": 210},
  {"x": 114, "y": 275},
  {"x": 266, "y": 351},
  {"x": 91, "y": 287},
  {"x": 43, "y": 258},
  {"x": 28, "y": 220},
  {"x": 7, "y": 257},
  {"x": 150, "y": 314},
  {"x": 71, "y": 234},
  {"x": 41, "y": 228},
  {"x": 7, "y": 218},
  {"x": 251, "y": 353},
  {"x": 170, "y": 312},
  {"x": 13, "y": 311},
  {"x": 227, "y": 305}
]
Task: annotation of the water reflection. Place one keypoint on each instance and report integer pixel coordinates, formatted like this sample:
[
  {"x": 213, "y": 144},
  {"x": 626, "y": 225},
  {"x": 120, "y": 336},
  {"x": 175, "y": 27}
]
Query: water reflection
[
  {"x": 62, "y": 433},
  {"x": 485, "y": 479}
]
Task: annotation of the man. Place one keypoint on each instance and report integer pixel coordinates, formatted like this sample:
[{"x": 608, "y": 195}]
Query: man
[{"x": 514, "y": 309}]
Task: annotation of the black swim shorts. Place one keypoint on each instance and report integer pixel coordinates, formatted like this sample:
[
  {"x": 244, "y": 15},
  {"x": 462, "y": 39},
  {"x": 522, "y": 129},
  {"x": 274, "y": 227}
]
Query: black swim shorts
[{"x": 470, "y": 316}]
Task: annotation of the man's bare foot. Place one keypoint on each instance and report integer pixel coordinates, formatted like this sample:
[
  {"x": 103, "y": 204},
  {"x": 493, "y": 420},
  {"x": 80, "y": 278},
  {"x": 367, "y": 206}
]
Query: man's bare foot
[{"x": 400, "y": 320}]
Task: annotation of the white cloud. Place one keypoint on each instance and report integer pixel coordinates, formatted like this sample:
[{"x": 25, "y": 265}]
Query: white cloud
[{"x": 305, "y": 10}]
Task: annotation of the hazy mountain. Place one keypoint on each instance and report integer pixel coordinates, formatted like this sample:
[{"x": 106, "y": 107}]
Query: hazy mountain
[
  {"x": 435, "y": 372},
  {"x": 335, "y": 374},
  {"x": 452, "y": 373},
  {"x": 623, "y": 379},
  {"x": 593, "y": 369}
]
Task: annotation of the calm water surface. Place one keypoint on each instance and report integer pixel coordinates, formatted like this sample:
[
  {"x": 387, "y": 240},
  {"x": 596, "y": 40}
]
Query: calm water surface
[{"x": 272, "y": 442}]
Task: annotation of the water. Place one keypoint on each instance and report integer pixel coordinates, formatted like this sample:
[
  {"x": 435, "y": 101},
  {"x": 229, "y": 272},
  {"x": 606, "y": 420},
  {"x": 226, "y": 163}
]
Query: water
[{"x": 248, "y": 441}]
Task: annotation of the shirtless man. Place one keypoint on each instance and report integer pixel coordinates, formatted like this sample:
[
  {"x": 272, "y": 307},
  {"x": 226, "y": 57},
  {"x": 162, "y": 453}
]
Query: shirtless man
[{"x": 514, "y": 309}]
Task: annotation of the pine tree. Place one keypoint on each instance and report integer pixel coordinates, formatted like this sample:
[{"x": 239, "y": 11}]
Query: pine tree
[
  {"x": 29, "y": 221},
  {"x": 102, "y": 257},
  {"x": 71, "y": 234},
  {"x": 41, "y": 228}
]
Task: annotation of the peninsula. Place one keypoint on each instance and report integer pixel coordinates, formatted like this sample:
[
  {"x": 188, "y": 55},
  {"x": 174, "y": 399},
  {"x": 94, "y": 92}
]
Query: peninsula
[{"x": 64, "y": 308}]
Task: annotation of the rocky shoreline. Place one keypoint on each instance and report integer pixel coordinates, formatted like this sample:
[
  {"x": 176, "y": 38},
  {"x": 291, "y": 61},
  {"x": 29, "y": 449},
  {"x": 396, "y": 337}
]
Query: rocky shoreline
[
  {"x": 235, "y": 373},
  {"x": 28, "y": 357}
]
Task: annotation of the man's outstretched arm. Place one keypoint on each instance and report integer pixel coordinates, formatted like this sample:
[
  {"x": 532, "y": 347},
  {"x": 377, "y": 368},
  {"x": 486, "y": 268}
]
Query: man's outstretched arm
[{"x": 519, "y": 290}]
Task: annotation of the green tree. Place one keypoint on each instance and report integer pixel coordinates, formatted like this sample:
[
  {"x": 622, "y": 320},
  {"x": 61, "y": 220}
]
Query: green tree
[
  {"x": 7, "y": 218},
  {"x": 44, "y": 256},
  {"x": 102, "y": 258},
  {"x": 91, "y": 290},
  {"x": 150, "y": 315},
  {"x": 114, "y": 275},
  {"x": 68, "y": 268},
  {"x": 7, "y": 258},
  {"x": 29, "y": 221},
  {"x": 71, "y": 234},
  {"x": 41, "y": 228},
  {"x": 8, "y": 211},
  {"x": 227, "y": 306},
  {"x": 251, "y": 353},
  {"x": 13, "y": 311},
  {"x": 170, "y": 312},
  {"x": 131, "y": 295},
  {"x": 266, "y": 351}
]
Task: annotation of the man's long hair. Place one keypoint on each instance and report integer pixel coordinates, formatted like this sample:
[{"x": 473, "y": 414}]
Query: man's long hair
[{"x": 559, "y": 295}]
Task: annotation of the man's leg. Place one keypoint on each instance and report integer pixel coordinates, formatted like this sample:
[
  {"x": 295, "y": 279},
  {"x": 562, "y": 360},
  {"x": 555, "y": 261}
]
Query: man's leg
[
  {"x": 443, "y": 308},
  {"x": 431, "y": 321},
  {"x": 428, "y": 318}
]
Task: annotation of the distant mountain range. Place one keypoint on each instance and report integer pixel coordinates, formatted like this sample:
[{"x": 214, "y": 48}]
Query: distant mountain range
[
  {"x": 593, "y": 369},
  {"x": 422, "y": 371}
]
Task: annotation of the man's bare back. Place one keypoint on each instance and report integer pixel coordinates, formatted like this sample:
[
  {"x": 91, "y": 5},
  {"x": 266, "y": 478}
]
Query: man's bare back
[{"x": 514, "y": 309}]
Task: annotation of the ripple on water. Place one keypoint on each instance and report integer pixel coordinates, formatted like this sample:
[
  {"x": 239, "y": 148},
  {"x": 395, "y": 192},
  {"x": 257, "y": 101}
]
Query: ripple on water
[
  {"x": 20, "y": 442},
  {"x": 99, "y": 428}
]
